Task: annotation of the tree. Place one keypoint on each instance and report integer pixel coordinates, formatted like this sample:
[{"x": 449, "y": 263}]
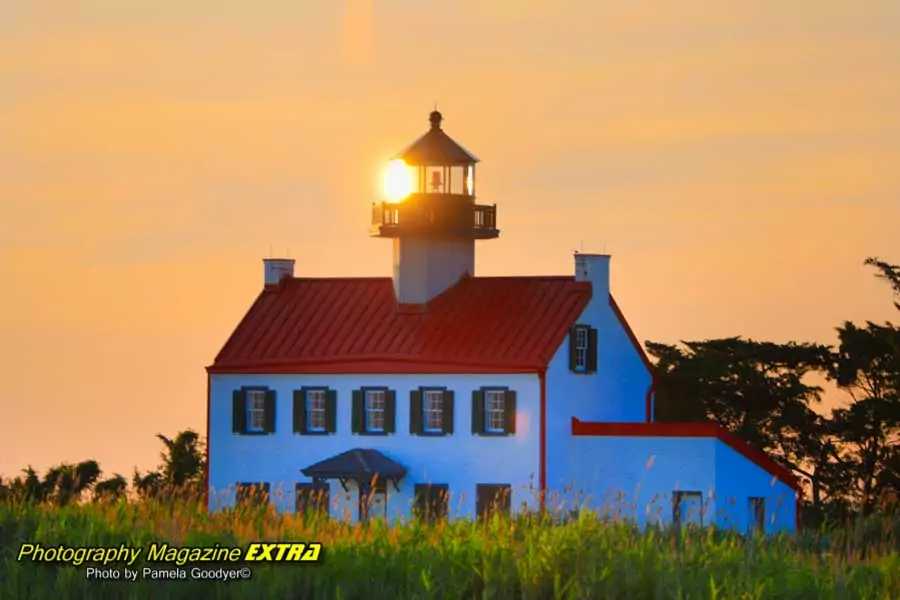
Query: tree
[
  {"x": 867, "y": 367},
  {"x": 756, "y": 390},
  {"x": 67, "y": 482},
  {"x": 149, "y": 485},
  {"x": 183, "y": 461},
  {"x": 112, "y": 488},
  {"x": 182, "y": 469},
  {"x": 888, "y": 272}
]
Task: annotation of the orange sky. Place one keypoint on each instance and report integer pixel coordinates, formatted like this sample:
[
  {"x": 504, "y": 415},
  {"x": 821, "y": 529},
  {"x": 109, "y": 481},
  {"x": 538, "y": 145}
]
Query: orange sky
[{"x": 739, "y": 160}]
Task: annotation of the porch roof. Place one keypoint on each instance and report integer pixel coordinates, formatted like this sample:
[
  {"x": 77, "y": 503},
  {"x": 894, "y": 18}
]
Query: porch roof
[{"x": 361, "y": 464}]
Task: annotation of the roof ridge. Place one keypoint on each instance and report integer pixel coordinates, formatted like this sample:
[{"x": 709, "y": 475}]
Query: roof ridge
[
  {"x": 364, "y": 278},
  {"x": 554, "y": 277}
]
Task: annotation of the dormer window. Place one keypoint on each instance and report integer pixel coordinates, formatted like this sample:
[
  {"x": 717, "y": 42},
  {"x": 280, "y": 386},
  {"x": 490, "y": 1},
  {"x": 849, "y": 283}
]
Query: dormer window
[{"x": 583, "y": 349}]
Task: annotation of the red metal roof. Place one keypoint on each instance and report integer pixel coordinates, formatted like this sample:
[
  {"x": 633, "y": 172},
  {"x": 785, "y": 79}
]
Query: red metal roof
[{"x": 480, "y": 325}]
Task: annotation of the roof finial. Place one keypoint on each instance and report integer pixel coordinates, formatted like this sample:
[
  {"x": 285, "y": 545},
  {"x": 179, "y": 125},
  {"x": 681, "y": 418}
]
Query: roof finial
[{"x": 435, "y": 117}]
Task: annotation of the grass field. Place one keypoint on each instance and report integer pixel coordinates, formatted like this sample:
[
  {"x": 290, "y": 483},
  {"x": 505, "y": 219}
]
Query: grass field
[{"x": 522, "y": 558}]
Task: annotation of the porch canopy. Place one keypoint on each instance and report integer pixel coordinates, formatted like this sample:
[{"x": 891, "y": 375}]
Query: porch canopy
[{"x": 361, "y": 465}]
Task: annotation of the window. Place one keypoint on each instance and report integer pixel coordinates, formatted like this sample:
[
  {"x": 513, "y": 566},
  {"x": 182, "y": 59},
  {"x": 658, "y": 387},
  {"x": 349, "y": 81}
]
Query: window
[
  {"x": 495, "y": 411},
  {"x": 375, "y": 410},
  {"x": 492, "y": 499},
  {"x": 313, "y": 497},
  {"x": 433, "y": 410},
  {"x": 252, "y": 494},
  {"x": 256, "y": 410},
  {"x": 687, "y": 508},
  {"x": 583, "y": 349},
  {"x": 315, "y": 410},
  {"x": 758, "y": 514},
  {"x": 432, "y": 501}
]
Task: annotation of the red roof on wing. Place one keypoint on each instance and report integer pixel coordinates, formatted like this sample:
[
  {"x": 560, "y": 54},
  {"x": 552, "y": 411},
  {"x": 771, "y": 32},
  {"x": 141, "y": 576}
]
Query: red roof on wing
[{"x": 481, "y": 324}]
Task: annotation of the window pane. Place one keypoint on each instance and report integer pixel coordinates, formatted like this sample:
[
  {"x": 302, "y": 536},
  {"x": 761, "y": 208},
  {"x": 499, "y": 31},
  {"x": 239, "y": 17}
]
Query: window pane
[
  {"x": 434, "y": 410},
  {"x": 495, "y": 419},
  {"x": 257, "y": 419},
  {"x": 581, "y": 338},
  {"x": 256, "y": 399},
  {"x": 315, "y": 409},
  {"x": 375, "y": 400}
]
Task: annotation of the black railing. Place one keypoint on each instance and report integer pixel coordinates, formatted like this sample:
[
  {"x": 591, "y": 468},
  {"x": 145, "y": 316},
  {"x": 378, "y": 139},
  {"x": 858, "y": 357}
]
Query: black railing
[
  {"x": 485, "y": 216},
  {"x": 477, "y": 216}
]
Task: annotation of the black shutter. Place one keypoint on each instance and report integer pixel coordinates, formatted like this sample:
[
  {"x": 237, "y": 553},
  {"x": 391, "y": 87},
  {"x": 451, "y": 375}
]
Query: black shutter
[
  {"x": 299, "y": 411},
  {"x": 420, "y": 503},
  {"x": 357, "y": 414},
  {"x": 322, "y": 497},
  {"x": 448, "y": 411},
  {"x": 442, "y": 501},
  {"x": 431, "y": 501},
  {"x": 390, "y": 411},
  {"x": 303, "y": 497},
  {"x": 239, "y": 415},
  {"x": 573, "y": 345},
  {"x": 504, "y": 498},
  {"x": 482, "y": 500},
  {"x": 478, "y": 412},
  {"x": 509, "y": 407},
  {"x": 269, "y": 425},
  {"x": 591, "y": 359},
  {"x": 415, "y": 412},
  {"x": 331, "y": 411}
]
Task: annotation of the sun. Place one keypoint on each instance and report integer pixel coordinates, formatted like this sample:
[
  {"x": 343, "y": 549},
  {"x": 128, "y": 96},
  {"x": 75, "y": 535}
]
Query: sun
[{"x": 398, "y": 183}]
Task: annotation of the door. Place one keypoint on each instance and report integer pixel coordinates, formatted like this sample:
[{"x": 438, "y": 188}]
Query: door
[{"x": 687, "y": 508}]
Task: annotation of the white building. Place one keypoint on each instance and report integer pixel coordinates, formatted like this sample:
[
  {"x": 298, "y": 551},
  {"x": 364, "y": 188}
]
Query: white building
[{"x": 437, "y": 381}]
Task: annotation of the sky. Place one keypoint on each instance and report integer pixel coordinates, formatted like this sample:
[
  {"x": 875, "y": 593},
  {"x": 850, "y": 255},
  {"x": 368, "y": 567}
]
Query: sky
[{"x": 738, "y": 160}]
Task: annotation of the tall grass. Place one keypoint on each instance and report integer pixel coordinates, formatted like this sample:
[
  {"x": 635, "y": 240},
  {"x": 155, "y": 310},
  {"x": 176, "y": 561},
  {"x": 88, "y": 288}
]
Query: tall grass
[{"x": 529, "y": 556}]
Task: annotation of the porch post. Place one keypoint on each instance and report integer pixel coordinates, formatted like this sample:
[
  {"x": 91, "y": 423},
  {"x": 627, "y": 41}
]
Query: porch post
[{"x": 363, "y": 487}]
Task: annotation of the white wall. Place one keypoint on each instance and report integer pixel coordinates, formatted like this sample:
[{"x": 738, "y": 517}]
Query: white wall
[
  {"x": 737, "y": 479},
  {"x": 460, "y": 460},
  {"x": 424, "y": 268},
  {"x": 615, "y": 393},
  {"x": 634, "y": 478}
]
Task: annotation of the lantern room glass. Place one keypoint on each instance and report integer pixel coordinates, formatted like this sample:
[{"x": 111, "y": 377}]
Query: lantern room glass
[{"x": 438, "y": 179}]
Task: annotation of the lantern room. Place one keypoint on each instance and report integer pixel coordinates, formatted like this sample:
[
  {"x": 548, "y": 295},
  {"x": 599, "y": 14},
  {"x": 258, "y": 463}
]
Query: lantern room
[{"x": 429, "y": 189}]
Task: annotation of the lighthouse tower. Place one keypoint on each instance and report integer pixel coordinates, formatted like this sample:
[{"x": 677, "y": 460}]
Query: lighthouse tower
[{"x": 431, "y": 215}]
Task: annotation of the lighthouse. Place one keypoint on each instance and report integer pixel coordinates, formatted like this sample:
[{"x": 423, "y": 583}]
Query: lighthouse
[{"x": 431, "y": 215}]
